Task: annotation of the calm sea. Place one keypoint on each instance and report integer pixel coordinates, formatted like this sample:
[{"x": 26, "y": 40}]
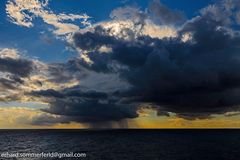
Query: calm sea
[{"x": 127, "y": 144}]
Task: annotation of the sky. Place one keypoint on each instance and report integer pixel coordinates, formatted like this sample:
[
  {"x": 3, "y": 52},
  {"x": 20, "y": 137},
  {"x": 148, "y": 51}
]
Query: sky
[{"x": 119, "y": 64}]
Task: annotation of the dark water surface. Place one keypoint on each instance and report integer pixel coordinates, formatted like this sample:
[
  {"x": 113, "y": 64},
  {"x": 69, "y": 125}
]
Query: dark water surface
[{"x": 128, "y": 144}]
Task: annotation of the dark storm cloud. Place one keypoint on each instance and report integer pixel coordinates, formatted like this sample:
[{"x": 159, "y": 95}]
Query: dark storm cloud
[
  {"x": 70, "y": 92},
  {"x": 196, "y": 78},
  {"x": 91, "y": 110},
  {"x": 19, "y": 67},
  {"x": 84, "y": 106},
  {"x": 91, "y": 41},
  {"x": 138, "y": 50}
]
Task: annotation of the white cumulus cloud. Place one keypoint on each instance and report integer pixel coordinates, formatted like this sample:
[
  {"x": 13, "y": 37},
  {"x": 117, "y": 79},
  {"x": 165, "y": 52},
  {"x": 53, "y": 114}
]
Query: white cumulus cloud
[{"x": 22, "y": 12}]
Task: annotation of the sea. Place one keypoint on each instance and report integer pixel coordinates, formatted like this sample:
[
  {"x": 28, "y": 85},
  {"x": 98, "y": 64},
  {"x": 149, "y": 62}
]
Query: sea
[{"x": 126, "y": 144}]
